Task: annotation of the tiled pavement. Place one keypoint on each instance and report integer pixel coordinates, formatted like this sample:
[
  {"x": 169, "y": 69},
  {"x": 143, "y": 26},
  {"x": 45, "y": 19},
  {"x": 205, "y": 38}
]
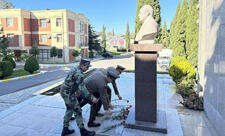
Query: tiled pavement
[{"x": 43, "y": 115}]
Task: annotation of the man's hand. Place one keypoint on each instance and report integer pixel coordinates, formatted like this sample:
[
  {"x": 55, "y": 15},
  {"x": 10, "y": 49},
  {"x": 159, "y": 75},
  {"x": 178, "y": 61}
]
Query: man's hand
[
  {"x": 120, "y": 98},
  {"x": 111, "y": 106},
  {"x": 108, "y": 112},
  {"x": 78, "y": 93},
  {"x": 94, "y": 100}
]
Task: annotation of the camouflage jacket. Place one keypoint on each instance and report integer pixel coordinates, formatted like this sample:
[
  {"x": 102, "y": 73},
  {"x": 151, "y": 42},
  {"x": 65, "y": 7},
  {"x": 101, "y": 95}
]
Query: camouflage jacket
[{"x": 74, "y": 81}]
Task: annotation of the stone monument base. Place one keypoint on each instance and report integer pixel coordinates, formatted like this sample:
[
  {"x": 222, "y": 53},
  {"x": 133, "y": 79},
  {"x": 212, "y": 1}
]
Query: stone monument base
[{"x": 159, "y": 126}]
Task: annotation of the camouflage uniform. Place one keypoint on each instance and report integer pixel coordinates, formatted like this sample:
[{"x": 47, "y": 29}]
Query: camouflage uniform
[{"x": 68, "y": 91}]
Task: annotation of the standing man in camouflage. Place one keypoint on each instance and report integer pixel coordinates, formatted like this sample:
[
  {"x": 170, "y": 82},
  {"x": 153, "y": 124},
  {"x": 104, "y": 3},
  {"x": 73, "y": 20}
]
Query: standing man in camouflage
[{"x": 72, "y": 88}]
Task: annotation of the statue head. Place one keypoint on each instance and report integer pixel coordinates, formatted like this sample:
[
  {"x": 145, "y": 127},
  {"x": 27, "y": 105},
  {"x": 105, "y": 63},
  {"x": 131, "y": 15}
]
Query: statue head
[{"x": 145, "y": 11}]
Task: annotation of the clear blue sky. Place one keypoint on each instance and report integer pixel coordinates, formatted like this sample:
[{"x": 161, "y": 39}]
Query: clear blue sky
[{"x": 112, "y": 13}]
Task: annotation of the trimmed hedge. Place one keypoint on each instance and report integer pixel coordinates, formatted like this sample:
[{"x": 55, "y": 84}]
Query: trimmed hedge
[
  {"x": 31, "y": 65},
  {"x": 6, "y": 69},
  {"x": 10, "y": 59},
  {"x": 180, "y": 70}
]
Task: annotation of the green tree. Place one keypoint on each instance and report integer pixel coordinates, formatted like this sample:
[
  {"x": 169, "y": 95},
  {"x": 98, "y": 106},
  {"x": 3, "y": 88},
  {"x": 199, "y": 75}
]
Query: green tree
[
  {"x": 128, "y": 37},
  {"x": 165, "y": 36},
  {"x": 103, "y": 43},
  {"x": 172, "y": 28},
  {"x": 76, "y": 52},
  {"x": 93, "y": 42},
  {"x": 53, "y": 52},
  {"x": 179, "y": 48},
  {"x": 4, "y": 44},
  {"x": 5, "y": 5},
  {"x": 35, "y": 50},
  {"x": 156, "y": 7},
  {"x": 113, "y": 34},
  {"x": 192, "y": 33}
]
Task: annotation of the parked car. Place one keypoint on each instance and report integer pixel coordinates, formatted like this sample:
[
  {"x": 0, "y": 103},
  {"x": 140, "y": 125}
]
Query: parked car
[
  {"x": 164, "y": 63},
  {"x": 107, "y": 55}
]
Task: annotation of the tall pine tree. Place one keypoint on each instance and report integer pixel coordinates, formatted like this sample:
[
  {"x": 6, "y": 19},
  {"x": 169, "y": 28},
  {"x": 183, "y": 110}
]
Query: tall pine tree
[
  {"x": 180, "y": 31},
  {"x": 172, "y": 28},
  {"x": 128, "y": 37},
  {"x": 165, "y": 36},
  {"x": 156, "y": 7},
  {"x": 192, "y": 33},
  {"x": 103, "y": 42},
  {"x": 93, "y": 42}
]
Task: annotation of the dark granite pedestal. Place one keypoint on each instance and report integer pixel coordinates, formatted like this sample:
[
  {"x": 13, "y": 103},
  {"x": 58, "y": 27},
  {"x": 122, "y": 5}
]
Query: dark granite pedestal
[
  {"x": 159, "y": 126},
  {"x": 145, "y": 115}
]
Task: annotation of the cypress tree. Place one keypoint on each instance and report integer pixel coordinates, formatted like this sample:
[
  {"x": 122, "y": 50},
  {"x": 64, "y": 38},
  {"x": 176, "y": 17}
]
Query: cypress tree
[
  {"x": 192, "y": 33},
  {"x": 93, "y": 42},
  {"x": 172, "y": 27},
  {"x": 113, "y": 34},
  {"x": 165, "y": 36},
  {"x": 156, "y": 7},
  {"x": 180, "y": 32},
  {"x": 103, "y": 43},
  {"x": 128, "y": 37}
]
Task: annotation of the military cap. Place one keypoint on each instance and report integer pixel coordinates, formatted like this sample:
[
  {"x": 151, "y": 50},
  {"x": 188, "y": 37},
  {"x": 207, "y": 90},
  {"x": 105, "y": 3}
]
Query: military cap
[
  {"x": 85, "y": 62},
  {"x": 112, "y": 72},
  {"x": 120, "y": 67}
]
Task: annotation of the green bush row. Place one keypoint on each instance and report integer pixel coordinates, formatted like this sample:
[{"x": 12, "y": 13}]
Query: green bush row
[
  {"x": 31, "y": 65},
  {"x": 6, "y": 69}
]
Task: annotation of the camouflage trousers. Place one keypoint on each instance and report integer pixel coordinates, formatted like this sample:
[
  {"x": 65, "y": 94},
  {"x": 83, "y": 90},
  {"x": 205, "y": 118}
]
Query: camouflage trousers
[{"x": 72, "y": 107}]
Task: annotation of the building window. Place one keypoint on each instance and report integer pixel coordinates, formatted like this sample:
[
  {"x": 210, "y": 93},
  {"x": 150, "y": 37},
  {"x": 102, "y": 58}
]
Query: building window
[
  {"x": 58, "y": 22},
  {"x": 44, "y": 38},
  {"x": 59, "y": 38},
  {"x": 9, "y": 21},
  {"x": 43, "y": 22},
  {"x": 44, "y": 55},
  {"x": 81, "y": 27},
  {"x": 10, "y": 37},
  {"x": 81, "y": 41},
  {"x": 59, "y": 53}
]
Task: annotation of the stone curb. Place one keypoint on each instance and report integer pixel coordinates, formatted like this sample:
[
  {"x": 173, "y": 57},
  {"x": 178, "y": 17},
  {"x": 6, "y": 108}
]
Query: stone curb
[
  {"x": 20, "y": 77},
  {"x": 48, "y": 88}
]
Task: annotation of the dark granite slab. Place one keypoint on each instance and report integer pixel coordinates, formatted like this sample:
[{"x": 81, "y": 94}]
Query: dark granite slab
[{"x": 159, "y": 126}]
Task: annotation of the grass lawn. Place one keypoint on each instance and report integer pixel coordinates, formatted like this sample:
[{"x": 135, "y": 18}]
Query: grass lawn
[{"x": 17, "y": 73}]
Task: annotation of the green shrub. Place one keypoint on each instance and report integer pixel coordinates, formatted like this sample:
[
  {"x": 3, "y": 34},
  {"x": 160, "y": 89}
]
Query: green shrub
[
  {"x": 10, "y": 59},
  {"x": 31, "y": 65},
  {"x": 185, "y": 87},
  {"x": 6, "y": 69},
  {"x": 91, "y": 54},
  {"x": 176, "y": 59},
  {"x": 181, "y": 70},
  {"x": 25, "y": 56},
  {"x": 76, "y": 52}
]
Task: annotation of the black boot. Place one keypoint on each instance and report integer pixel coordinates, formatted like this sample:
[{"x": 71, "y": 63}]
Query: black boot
[
  {"x": 72, "y": 118},
  {"x": 85, "y": 132},
  {"x": 93, "y": 124},
  {"x": 66, "y": 131}
]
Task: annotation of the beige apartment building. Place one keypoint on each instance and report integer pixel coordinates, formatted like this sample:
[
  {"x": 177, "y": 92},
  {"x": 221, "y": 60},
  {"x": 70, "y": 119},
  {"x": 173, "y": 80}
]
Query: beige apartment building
[{"x": 47, "y": 28}]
